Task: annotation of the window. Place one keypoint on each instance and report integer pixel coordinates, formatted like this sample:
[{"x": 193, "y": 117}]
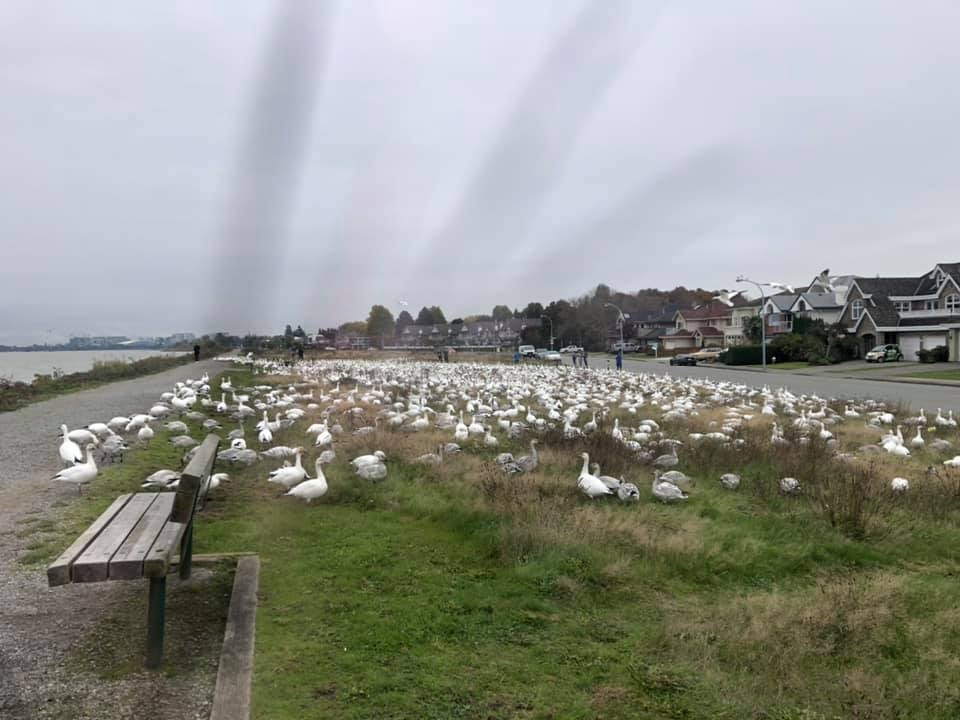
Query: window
[
  {"x": 856, "y": 309},
  {"x": 930, "y": 305},
  {"x": 952, "y": 303},
  {"x": 801, "y": 306},
  {"x": 902, "y": 306}
]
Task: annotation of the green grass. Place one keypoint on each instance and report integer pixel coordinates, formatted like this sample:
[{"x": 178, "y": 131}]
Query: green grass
[
  {"x": 795, "y": 365},
  {"x": 872, "y": 367},
  {"x": 936, "y": 375},
  {"x": 451, "y": 592}
]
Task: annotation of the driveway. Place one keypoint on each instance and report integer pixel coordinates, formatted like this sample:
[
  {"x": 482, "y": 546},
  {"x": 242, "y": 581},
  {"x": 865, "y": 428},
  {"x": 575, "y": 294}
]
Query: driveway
[{"x": 856, "y": 385}]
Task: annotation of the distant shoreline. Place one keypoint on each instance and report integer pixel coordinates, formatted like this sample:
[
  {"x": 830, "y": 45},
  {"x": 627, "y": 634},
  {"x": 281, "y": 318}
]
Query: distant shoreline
[
  {"x": 16, "y": 394},
  {"x": 112, "y": 348}
]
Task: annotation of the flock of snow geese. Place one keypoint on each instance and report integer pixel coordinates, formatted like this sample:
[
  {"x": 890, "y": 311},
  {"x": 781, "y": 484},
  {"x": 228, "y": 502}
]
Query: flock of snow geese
[{"x": 500, "y": 401}]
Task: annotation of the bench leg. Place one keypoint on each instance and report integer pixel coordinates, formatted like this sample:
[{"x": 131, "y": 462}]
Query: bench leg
[
  {"x": 186, "y": 553},
  {"x": 156, "y": 616}
]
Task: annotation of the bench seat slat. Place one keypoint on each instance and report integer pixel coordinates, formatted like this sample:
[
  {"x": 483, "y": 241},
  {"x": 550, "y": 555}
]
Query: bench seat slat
[
  {"x": 127, "y": 562},
  {"x": 92, "y": 565},
  {"x": 167, "y": 544},
  {"x": 58, "y": 573}
]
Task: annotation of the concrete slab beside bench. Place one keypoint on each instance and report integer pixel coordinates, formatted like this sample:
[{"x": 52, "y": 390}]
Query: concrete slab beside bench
[{"x": 137, "y": 537}]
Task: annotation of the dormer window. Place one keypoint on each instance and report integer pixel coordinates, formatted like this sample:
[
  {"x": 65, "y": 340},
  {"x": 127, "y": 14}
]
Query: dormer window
[{"x": 952, "y": 303}]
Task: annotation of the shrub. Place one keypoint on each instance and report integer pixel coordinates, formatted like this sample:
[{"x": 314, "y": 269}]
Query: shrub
[
  {"x": 790, "y": 348},
  {"x": 940, "y": 353},
  {"x": 841, "y": 347},
  {"x": 742, "y": 355}
]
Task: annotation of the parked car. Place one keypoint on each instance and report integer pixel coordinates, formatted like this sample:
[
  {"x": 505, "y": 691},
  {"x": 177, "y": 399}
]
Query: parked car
[
  {"x": 683, "y": 360},
  {"x": 882, "y": 353},
  {"x": 571, "y": 349},
  {"x": 552, "y": 356},
  {"x": 707, "y": 354},
  {"x": 628, "y": 347},
  {"x": 527, "y": 351}
]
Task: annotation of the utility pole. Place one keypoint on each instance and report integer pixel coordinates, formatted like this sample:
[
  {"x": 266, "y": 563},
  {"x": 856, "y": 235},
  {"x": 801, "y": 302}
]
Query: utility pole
[{"x": 550, "y": 320}]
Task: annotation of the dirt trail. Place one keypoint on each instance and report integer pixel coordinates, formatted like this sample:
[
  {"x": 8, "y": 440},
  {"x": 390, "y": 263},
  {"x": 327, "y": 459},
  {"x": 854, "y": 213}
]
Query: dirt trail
[{"x": 40, "y": 625}]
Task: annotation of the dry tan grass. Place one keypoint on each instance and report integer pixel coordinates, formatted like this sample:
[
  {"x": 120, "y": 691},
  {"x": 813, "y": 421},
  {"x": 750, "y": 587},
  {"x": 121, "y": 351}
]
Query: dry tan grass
[
  {"x": 780, "y": 638},
  {"x": 642, "y": 527}
]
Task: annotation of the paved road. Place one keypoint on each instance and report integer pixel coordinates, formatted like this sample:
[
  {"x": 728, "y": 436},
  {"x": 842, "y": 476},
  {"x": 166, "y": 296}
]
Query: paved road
[{"x": 913, "y": 395}]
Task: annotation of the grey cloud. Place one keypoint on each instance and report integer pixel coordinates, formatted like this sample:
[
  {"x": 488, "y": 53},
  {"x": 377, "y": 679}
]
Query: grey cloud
[{"x": 167, "y": 168}]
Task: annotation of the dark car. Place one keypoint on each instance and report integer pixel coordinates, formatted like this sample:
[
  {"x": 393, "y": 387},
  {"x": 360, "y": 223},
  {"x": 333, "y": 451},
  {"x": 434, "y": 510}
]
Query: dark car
[{"x": 683, "y": 360}]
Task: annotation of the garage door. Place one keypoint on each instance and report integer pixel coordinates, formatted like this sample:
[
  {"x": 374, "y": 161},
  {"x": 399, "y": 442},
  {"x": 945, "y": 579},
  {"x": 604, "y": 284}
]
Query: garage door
[
  {"x": 909, "y": 344},
  {"x": 930, "y": 341}
]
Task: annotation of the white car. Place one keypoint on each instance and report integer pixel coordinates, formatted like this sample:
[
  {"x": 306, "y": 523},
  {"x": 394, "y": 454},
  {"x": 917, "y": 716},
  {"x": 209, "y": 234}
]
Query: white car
[{"x": 571, "y": 349}]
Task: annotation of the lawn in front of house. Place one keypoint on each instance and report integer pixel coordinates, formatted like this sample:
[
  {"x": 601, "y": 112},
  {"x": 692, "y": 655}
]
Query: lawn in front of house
[{"x": 937, "y": 375}]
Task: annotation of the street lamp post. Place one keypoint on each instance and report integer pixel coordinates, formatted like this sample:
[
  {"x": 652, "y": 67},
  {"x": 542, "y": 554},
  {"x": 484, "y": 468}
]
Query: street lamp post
[
  {"x": 620, "y": 320},
  {"x": 550, "y": 320},
  {"x": 763, "y": 309}
]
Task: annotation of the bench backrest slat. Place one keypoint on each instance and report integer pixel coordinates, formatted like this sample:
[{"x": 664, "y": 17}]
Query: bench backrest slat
[{"x": 193, "y": 478}]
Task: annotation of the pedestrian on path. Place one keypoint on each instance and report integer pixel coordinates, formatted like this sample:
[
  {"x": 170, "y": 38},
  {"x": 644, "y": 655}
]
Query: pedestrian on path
[
  {"x": 620, "y": 359},
  {"x": 584, "y": 358}
]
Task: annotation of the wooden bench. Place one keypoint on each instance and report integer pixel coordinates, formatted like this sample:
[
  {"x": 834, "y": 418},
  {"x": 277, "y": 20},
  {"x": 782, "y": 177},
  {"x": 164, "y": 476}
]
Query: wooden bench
[{"x": 137, "y": 537}]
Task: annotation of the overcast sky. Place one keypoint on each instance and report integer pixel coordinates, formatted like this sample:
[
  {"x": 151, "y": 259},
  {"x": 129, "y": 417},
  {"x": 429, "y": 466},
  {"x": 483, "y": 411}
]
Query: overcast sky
[{"x": 241, "y": 164}]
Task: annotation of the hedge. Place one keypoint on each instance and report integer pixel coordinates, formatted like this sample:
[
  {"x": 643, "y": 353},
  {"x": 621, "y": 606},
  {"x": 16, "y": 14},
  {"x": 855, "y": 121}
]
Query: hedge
[
  {"x": 743, "y": 355},
  {"x": 941, "y": 353}
]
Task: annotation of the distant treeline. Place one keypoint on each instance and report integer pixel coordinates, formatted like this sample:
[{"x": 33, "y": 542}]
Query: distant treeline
[{"x": 581, "y": 321}]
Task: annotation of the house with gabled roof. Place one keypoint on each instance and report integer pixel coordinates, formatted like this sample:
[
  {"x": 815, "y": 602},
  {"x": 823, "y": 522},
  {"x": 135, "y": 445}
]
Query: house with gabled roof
[
  {"x": 740, "y": 314},
  {"x": 915, "y": 313},
  {"x": 825, "y": 306},
  {"x": 648, "y": 332},
  {"x": 701, "y": 326},
  {"x": 479, "y": 334},
  {"x": 777, "y": 314}
]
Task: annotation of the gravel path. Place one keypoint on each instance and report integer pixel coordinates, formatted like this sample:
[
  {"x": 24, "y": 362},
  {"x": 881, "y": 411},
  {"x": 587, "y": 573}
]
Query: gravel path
[{"x": 38, "y": 625}]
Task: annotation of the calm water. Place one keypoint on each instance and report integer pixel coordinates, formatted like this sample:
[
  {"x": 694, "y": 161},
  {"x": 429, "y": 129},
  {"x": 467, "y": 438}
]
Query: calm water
[{"x": 22, "y": 366}]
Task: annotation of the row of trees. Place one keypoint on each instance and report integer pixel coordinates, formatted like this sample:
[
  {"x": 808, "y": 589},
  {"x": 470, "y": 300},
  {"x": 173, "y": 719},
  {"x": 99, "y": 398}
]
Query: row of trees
[{"x": 581, "y": 321}]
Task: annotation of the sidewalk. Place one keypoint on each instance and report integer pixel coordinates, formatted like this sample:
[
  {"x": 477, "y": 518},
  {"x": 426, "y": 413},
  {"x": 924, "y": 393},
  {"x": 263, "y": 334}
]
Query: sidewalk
[{"x": 882, "y": 373}]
